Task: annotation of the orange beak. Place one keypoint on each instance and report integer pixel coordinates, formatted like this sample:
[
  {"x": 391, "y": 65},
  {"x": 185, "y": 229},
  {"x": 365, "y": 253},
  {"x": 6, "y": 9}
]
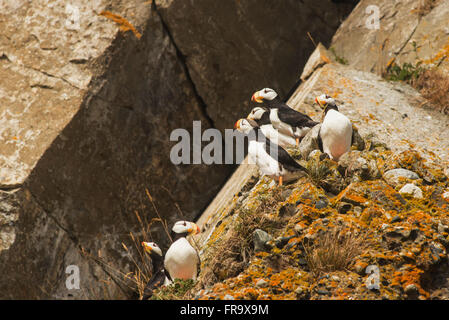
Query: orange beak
[
  {"x": 237, "y": 124},
  {"x": 145, "y": 247},
  {"x": 256, "y": 97},
  {"x": 195, "y": 229},
  {"x": 319, "y": 102}
]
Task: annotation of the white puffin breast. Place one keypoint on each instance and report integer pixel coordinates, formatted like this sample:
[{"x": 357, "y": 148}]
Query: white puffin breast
[
  {"x": 336, "y": 134},
  {"x": 267, "y": 165},
  {"x": 181, "y": 260},
  {"x": 277, "y": 137}
]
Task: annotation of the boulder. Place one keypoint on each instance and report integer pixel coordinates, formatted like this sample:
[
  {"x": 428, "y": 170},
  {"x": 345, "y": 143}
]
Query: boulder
[
  {"x": 310, "y": 142},
  {"x": 260, "y": 238},
  {"x": 397, "y": 176},
  {"x": 358, "y": 166},
  {"x": 317, "y": 59},
  {"x": 411, "y": 190}
]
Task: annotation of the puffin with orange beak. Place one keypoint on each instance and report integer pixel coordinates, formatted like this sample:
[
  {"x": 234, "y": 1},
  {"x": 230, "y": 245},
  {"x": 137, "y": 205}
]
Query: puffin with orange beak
[
  {"x": 271, "y": 158},
  {"x": 182, "y": 260},
  {"x": 335, "y": 136},
  {"x": 160, "y": 277},
  {"x": 283, "y": 118}
]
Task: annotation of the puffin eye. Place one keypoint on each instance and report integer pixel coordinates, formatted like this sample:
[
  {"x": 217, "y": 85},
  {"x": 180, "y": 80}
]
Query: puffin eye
[
  {"x": 265, "y": 91},
  {"x": 184, "y": 224}
]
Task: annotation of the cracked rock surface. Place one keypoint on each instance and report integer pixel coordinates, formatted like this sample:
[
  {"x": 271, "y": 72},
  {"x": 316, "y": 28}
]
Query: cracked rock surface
[{"x": 86, "y": 112}]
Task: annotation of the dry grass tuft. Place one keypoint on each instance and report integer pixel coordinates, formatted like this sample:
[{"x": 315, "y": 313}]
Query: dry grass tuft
[
  {"x": 333, "y": 251},
  {"x": 136, "y": 280},
  {"x": 425, "y": 6},
  {"x": 318, "y": 171},
  {"x": 434, "y": 86},
  {"x": 229, "y": 256}
]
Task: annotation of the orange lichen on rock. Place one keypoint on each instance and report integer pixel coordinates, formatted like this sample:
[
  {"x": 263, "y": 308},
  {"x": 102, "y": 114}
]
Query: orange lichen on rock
[
  {"x": 405, "y": 237},
  {"x": 125, "y": 25}
]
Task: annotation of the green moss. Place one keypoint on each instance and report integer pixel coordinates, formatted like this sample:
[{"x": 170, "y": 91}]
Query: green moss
[
  {"x": 406, "y": 72},
  {"x": 338, "y": 58}
]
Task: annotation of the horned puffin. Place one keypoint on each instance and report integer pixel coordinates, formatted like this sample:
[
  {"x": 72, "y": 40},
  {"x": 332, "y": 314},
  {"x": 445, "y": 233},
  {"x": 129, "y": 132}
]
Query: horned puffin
[
  {"x": 262, "y": 117},
  {"x": 160, "y": 276},
  {"x": 335, "y": 135},
  {"x": 285, "y": 119},
  {"x": 182, "y": 260},
  {"x": 271, "y": 158}
]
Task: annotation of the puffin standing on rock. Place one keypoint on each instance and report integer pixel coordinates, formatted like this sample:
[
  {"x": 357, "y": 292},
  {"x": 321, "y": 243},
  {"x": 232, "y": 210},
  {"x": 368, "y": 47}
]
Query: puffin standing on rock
[
  {"x": 182, "y": 260},
  {"x": 271, "y": 158},
  {"x": 335, "y": 136},
  {"x": 262, "y": 117},
  {"x": 159, "y": 277},
  {"x": 285, "y": 119}
]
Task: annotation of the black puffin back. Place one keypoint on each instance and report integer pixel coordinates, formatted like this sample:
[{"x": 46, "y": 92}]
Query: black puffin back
[
  {"x": 158, "y": 277},
  {"x": 282, "y": 156},
  {"x": 330, "y": 106},
  {"x": 264, "y": 120}
]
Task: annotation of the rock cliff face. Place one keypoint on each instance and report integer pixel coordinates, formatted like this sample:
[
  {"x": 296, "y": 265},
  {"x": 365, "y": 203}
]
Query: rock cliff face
[
  {"x": 86, "y": 113},
  {"x": 255, "y": 43},
  {"x": 408, "y": 31},
  {"x": 383, "y": 206}
]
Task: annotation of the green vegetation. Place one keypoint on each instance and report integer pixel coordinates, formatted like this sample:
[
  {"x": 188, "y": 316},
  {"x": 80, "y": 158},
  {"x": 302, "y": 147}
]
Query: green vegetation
[
  {"x": 338, "y": 58},
  {"x": 318, "y": 171},
  {"x": 176, "y": 291},
  {"x": 407, "y": 72},
  {"x": 430, "y": 82}
]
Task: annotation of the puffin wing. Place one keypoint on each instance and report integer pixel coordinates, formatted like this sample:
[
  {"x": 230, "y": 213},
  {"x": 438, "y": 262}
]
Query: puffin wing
[
  {"x": 167, "y": 274},
  {"x": 320, "y": 142},
  {"x": 156, "y": 281},
  {"x": 198, "y": 265},
  {"x": 283, "y": 157},
  {"x": 265, "y": 119},
  {"x": 295, "y": 118}
]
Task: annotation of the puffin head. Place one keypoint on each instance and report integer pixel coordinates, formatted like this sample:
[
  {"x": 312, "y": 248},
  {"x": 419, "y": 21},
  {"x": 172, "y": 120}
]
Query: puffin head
[
  {"x": 245, "y": 125},
  {"x": 324, "y": 100},
  {"x": 265, "y": 94},
  {"x": 257, "y": 113},
  {"x": 151, "y": 248},
  {"x": 185, "y": 227}
]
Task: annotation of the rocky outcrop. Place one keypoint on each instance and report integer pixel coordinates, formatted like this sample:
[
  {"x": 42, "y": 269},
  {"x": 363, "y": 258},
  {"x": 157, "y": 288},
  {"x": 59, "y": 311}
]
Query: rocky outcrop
[
  {"x": 90, "y": 93},
  {"x": 86, "y": 124},
  {"x": 407, "y": 31},
  {"x": 381, "y": 221}
]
